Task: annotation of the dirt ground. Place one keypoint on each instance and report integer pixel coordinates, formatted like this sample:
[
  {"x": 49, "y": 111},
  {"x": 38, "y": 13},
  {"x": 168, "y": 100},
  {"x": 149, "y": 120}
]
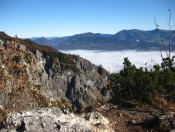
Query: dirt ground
[{"x": 141, "y": 119}]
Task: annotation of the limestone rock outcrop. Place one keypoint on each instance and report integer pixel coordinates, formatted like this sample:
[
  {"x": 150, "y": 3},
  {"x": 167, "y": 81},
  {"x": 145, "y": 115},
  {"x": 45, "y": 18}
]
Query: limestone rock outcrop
[{"x": 53, "y": 119}]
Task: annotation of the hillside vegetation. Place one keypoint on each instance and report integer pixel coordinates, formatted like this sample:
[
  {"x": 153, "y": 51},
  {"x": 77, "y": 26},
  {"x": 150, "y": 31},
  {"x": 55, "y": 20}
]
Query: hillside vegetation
[{"x": 134, "y": 86}]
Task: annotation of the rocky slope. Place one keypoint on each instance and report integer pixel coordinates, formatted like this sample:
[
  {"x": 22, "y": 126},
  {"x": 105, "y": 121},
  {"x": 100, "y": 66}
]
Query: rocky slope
[{"x": 34, "y": 76}]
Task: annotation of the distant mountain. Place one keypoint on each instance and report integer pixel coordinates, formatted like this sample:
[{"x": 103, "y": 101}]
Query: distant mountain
[
  {"x": 42, "y": 40},
  {"x": 123, "y": 40},
  {"x": 134, "y": 34}
]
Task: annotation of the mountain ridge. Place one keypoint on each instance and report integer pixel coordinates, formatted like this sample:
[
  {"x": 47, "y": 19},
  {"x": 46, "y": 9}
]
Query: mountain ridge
[{"x": 122, "y": 40}]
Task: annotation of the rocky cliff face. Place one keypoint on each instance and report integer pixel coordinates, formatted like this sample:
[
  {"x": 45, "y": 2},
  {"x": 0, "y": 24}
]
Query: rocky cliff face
[{"x": 34, "y": 76}]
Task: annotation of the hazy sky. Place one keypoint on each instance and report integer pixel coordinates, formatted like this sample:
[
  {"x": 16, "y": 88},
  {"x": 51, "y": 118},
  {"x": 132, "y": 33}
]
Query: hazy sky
[{"x": 35, "y": 18}]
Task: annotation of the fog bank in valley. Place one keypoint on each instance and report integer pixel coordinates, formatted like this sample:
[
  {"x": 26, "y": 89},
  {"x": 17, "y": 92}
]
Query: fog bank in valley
[{"x": 113, "y": 60}]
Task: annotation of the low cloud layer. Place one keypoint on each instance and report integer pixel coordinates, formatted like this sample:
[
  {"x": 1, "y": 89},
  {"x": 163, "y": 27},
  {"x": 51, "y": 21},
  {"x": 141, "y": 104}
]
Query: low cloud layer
[{"x": 113, "y": 60}]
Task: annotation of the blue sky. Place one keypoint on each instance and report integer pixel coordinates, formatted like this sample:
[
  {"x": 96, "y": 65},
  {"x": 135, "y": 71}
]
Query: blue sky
[{"x": 50, "y": 18}]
